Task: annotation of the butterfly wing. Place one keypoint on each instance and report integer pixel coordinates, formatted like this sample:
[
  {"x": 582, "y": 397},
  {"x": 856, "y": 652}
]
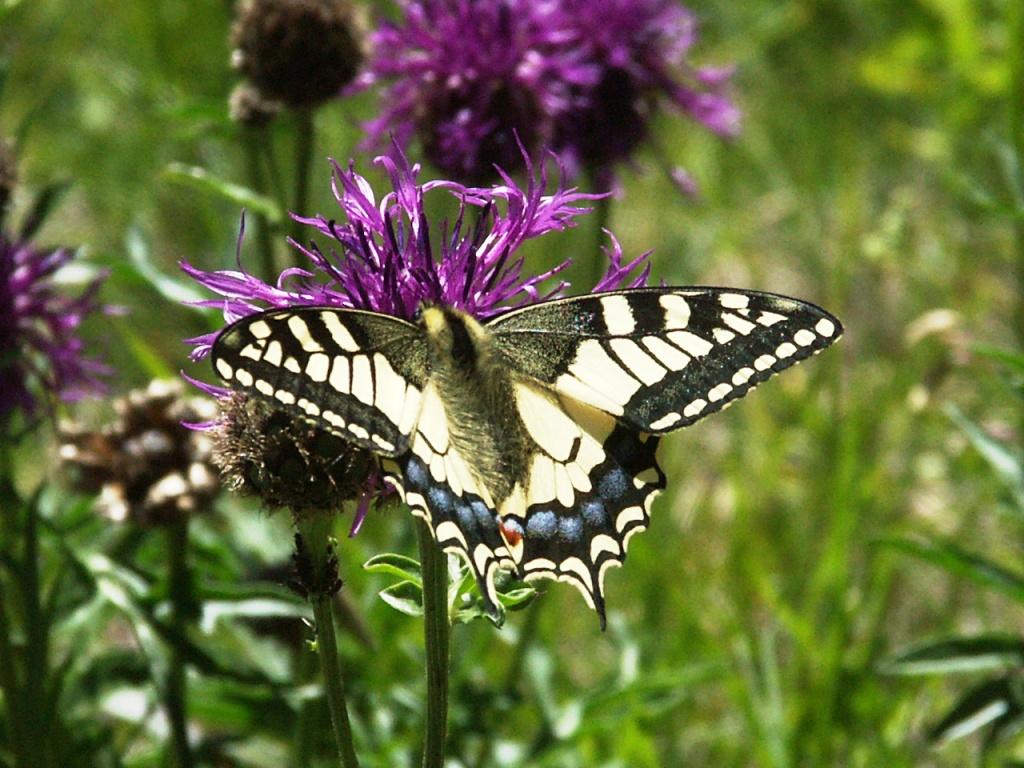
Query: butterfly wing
[
  {"x": 357, "y": 374},
  {"x": 589, "y": 488},
  {"x": 435, "y": 480},
  {"x": 364, "y": 376},
  {"x": 659, "y": 359}
]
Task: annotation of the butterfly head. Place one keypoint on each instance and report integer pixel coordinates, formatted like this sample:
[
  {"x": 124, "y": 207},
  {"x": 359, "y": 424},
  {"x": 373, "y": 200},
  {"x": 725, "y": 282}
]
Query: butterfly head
[{"x": 452, "y": 334}]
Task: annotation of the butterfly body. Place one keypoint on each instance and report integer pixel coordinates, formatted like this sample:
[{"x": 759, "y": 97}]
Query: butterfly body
[{"x": 527, "y": 441}]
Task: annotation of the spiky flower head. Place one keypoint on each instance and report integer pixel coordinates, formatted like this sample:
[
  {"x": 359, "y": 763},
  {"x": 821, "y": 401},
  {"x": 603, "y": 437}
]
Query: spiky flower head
[
  {"x": 386, "y": 256},
  {"x": 580, "y": 76},
  {"x": 300, "y": 52},
  {"x": 41, "y": 351}
]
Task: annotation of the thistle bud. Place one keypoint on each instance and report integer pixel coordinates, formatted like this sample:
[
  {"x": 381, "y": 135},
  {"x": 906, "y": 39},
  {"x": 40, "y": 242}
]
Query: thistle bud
[{"x": 300, "y": 52}]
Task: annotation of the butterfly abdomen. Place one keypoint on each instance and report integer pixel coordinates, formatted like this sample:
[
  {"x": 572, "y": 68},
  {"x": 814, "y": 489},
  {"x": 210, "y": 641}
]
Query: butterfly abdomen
[{"x": 476, "y": 391}]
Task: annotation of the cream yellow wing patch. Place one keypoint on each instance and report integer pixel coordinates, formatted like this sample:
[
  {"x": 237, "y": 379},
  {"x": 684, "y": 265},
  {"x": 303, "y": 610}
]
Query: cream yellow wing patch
[{"x": 589, "y": 489}]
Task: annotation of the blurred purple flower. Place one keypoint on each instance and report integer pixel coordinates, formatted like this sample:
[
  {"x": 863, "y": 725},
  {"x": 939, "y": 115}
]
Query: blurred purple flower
[
  {"x": 39, "y": 343},
  {"x": 580, "y": 76},
  {"x": 634, "y": 55},
  {"x": 472, "y": 79}
]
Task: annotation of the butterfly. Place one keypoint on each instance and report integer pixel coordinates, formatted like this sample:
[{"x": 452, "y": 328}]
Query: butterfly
[{"x": 528, "y": 441}]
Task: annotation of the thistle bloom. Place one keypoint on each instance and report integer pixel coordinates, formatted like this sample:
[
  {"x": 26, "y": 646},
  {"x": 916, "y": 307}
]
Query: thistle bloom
[
  {"x": 39, "y": 343},
  {"x": 580, "y": 76},
  {"x": 383, "y": 257},
  {"x": 472, "y": 79}
]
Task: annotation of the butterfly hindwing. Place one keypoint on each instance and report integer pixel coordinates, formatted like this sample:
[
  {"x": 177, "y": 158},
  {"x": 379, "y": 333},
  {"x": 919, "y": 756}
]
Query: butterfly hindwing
[
  {"x": 589, "y": 488},
  {"x": 437, "y": 483},
  {"x": 659, "y": 359},
  {"x": 357, "y": 374}
]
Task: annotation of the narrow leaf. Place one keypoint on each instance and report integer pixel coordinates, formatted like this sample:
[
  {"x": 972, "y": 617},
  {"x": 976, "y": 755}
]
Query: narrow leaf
[
  {"x": 960, "y": 562},
  {"x": 203, "y": 180},
  {"x": 977, "y": 708},
  {"x": 955, "y": 655}
]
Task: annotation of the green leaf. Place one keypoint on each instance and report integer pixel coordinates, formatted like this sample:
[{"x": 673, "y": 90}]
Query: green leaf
[
  {"x": 177, "y": 291},
  {"x": 1011, "y": 359},
  {"x": 46, "y": 200},
  {"x": 393, "y": 564},
  {"x": 983, "y": 704},
  {"x": 201, "y": 179},
  {"x": 405, "y": 597},
  {"x": 956, "y": 655},
  {"x": 1005, "y": 461},
  {"x": 952, "y": 558}
]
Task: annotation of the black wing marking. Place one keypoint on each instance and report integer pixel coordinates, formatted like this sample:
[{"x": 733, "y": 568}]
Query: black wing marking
[
  {"x": 589, "y": 489},
  {"x": 357, "y": 374},
  {"x": 661, "y": 358}
]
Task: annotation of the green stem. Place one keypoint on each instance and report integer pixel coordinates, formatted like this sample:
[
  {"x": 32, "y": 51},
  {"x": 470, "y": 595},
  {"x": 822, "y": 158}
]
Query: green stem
[
  {"x": 9, "y": 683},
  {"x": 36, "y": 640},
  {"x": 181, "y": 599},
  {"x": 434, "y": 569},
  {"x": 305, "y": 140},
  {"x": 258, "y": 181},
  {"x": 1016, "y": 27},
  {"x": 315, "y": 533}
]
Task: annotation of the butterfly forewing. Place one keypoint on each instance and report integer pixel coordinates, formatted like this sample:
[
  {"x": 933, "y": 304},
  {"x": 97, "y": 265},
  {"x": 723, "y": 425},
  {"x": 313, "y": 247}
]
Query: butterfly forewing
[
  {"x": 357, "y": 374},
  {"x": 659, "y": 359}
]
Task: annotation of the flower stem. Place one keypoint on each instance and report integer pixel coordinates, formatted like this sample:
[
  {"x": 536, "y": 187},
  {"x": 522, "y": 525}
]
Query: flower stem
[
  {"x": 175, "y": 693},
  {"x": 1015, "y": 24},
  {"x": 252, "y": 138},
  {"x": 305, "y": 140},
  {"x": 315, "y": 536},
  {"x": 434, "y": 570}
]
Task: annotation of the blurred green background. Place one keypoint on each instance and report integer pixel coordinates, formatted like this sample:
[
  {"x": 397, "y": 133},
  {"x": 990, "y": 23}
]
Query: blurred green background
[{"x": 802, "y": 539}]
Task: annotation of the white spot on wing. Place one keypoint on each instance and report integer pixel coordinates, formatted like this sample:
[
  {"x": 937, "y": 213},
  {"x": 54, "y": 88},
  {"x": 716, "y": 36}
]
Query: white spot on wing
[
  {"x": 738, "y": 324},
  {"x": 785, "y": 350},
  {"x": 733, "y": 300},
  {"x": 593, "y": 366},
  {"x": 584, "y": 393},
  {"x": 666, "y": 354},
  {"x": 433, "y": 423},
  {"x": 339, "y": 374},
  {"x": 390, "y": 395},
  {"x": 719, "y": 392},
  {"x": 694, "y": 408},
  {"x": 617, "y": 315},
  {"x": 825, "y": 327},
  {"x": 677, "y": 310},
  {"x": 764, "y": 362},
  {"x": 641, "y": 365},
  {"x": 274, "y": 353},
  {"x": 302, "y": 335},
  {"x": 317, "y": 367},
  {"x": 224, "y": 369},
  {"x": 665, "y": 421},
  {"x": 339, "y": 333},
  {"x": 690, "y": 343},
  {"x": 627, "y": 516},
  {"x": 244, "y": 378},
  {"x": 260, "y": 329},
  {"x": 546, "y": 422},
  {"x": 804, "y": 338},
  {"x": 362, "y": 381}
]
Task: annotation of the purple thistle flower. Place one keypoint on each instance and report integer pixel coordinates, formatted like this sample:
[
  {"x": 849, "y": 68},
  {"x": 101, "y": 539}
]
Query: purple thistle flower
[
  {"x": 472, "y": 79},
  {"x": 39, "y": 342},
  {"x": 385, "y": 256},
  {"x": 634, "y": 54},
  {"x": 580, "y": 76}
]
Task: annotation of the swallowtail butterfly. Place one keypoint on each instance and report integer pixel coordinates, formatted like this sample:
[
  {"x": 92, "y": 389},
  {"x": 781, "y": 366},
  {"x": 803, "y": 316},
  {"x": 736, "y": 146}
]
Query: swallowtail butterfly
[{"x": 527, "y": 442}]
